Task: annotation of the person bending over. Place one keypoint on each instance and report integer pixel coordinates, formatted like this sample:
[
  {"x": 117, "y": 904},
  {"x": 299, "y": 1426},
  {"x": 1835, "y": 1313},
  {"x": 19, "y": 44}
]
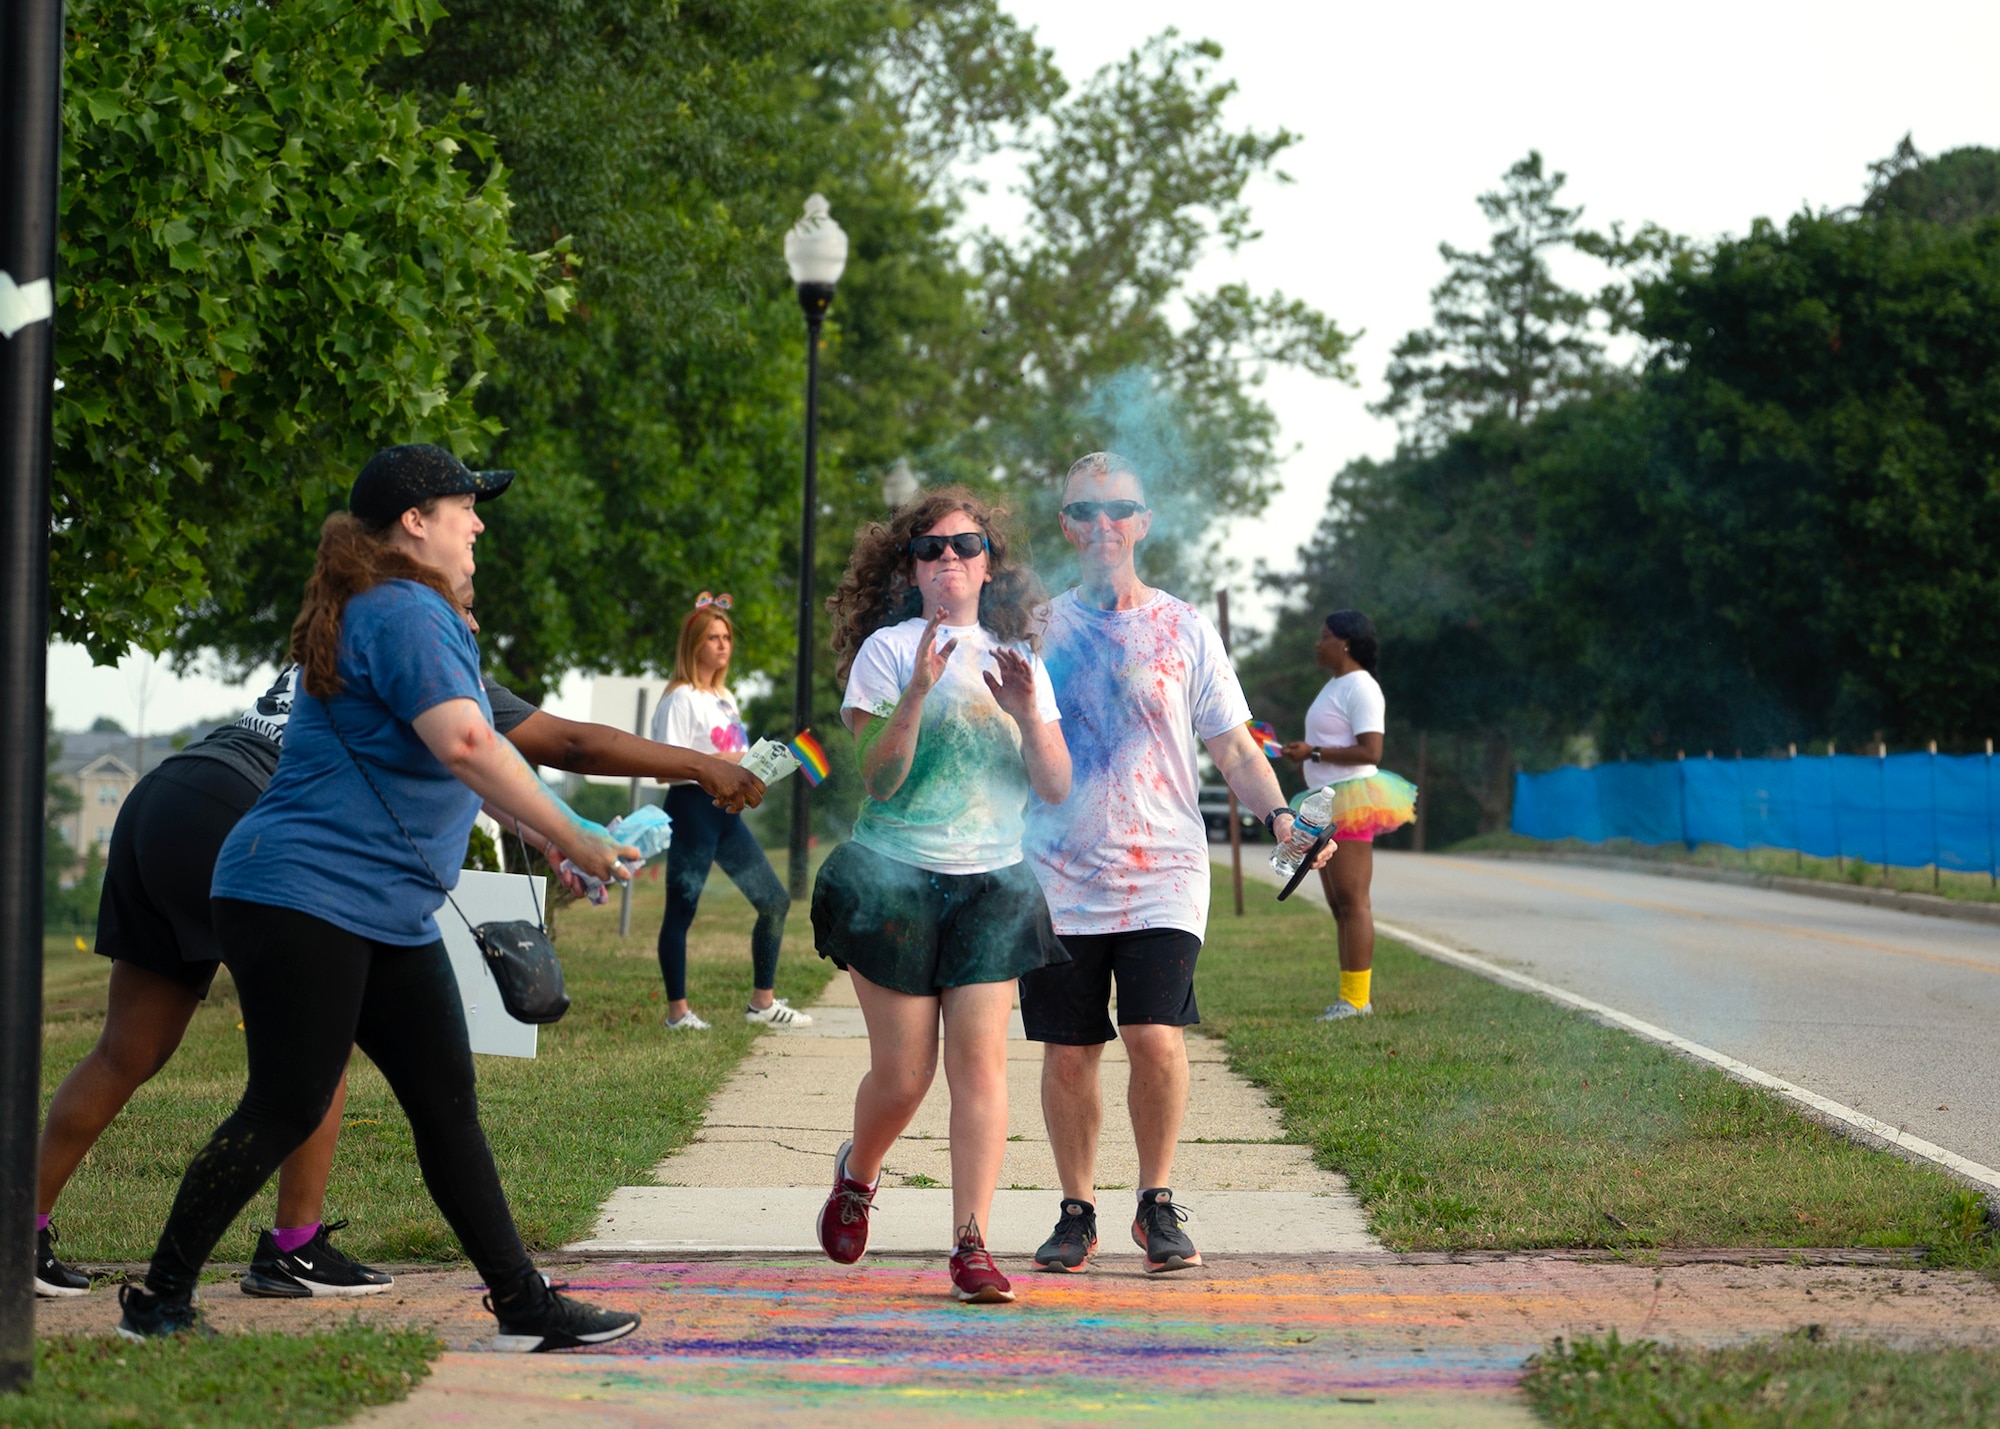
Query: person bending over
[
  {"x": 930, "y": 907},
  {"x": 324, "y": 894},
  {"x": 155, "y": 925}
]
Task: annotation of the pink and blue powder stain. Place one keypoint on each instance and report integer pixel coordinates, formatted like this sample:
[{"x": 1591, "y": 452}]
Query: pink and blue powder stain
[
  {"x": 1125, "y": 684},
  {"x": 729, "y": 738},
  {"x": 1274, "y": 1343}
]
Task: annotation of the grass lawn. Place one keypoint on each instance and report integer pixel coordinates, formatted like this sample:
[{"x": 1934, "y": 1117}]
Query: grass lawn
[
  {"x": 1797, "y": 1380},
  {"x": 1782, "y": 863},
  {"x": 608, "y": 1096},
  {"x": 247, "y": 1379},
  {"x": 1468, "y": 1115}
]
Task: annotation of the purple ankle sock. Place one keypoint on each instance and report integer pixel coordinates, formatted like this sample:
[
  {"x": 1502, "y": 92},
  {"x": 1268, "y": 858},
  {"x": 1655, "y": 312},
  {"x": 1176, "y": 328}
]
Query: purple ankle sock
[
  {"x": 41, "y": 1223},
  {"x": 290, "y": 1238}
]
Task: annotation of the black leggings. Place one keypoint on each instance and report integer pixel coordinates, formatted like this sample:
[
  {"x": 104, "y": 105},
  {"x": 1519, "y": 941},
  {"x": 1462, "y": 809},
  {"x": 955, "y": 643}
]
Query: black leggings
[
  {"x": 310, "y": 992},
  {"x": 705, "y": 835}
]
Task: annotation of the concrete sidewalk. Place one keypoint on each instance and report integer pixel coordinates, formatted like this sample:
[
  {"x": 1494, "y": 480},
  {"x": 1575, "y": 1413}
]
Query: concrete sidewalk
[{"x": 754, "y": 1178}]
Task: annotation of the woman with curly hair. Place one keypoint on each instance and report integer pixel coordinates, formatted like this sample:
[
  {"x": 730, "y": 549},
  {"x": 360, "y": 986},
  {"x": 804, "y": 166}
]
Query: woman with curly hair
[{"x": 930, "y": 908}]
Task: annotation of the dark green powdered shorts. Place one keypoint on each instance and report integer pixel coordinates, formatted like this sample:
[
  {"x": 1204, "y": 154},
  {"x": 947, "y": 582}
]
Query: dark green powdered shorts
[{"x": 917, "y": 932}]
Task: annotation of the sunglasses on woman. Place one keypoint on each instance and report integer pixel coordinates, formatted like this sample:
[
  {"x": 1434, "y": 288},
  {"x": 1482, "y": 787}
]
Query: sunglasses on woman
[
  {"x": 931, "y": 548},
  {"x": 1085, "y": 512}
]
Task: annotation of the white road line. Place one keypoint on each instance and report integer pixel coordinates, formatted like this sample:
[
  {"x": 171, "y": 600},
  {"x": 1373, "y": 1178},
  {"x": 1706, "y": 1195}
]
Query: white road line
[{"x": 1742, "y": 1071}]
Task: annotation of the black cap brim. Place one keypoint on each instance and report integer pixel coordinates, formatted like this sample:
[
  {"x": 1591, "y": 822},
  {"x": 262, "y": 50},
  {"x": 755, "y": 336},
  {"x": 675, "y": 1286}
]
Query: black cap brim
[{"x": 489, "y": 484}]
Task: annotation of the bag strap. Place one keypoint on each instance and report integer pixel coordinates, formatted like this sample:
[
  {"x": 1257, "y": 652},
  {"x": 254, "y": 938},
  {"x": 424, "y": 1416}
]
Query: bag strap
[{"x": 415, "y": 848}]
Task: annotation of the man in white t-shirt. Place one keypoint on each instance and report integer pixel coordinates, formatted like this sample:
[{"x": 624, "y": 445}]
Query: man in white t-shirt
[{"x": 1139, "y": 677}]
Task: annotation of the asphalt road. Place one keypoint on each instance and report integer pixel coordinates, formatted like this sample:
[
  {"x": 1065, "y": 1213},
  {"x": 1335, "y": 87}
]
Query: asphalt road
[{"x": 1892, "y": 1013}]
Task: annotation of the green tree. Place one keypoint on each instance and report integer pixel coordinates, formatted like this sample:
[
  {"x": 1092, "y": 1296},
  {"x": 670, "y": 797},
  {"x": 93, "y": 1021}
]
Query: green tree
[
  {"x": 1505, "y": 336},
  {"x": 1825, "y": 460},
  {"x": 267, "y": 267},
  {"x": 1959, "y": 186}
]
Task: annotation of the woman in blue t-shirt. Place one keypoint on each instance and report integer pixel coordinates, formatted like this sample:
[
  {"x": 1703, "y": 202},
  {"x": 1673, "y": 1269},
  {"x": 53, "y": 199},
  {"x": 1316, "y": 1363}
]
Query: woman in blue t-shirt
[{"x": 324, "y": 893}]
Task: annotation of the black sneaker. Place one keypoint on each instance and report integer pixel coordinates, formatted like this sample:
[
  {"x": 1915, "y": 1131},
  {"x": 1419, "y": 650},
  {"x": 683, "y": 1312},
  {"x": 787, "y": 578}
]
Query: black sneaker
[
  {"x": 52, "y": 1277},
  {"x": 1074, "y": 1240},
  {"x": 1157, "y": 1231},
  {"x": 151, "y": 1317},
  {"x": 557, "y": 1322},
  {"x": 315, "y": 1268}
]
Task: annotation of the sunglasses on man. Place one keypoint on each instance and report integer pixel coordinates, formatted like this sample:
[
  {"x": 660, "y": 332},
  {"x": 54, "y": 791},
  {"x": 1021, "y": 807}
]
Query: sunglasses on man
[
  {"x": 1085, "y": 512},
  {"x": 932, "y": 548}
]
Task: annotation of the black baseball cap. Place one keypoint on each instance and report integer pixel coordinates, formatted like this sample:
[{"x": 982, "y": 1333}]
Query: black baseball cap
[{"x": 397, "y": 478}]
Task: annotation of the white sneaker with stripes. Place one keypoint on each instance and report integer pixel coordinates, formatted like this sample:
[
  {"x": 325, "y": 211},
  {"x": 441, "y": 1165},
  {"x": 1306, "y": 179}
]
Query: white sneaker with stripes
[{"x": 779, "y": 1014}]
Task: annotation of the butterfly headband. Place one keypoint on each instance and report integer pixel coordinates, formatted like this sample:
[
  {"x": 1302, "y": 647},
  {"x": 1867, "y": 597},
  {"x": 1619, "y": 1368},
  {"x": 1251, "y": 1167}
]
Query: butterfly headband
[{"x": 705, "y": 601}]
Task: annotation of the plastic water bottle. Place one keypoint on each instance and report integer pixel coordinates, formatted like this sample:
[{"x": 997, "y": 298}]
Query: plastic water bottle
[{"x": 1312, "y": 818}]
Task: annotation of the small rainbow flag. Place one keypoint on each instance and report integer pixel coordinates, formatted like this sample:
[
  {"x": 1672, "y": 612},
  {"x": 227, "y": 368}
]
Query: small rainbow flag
[
  {"x": 812, "y": 758},
  {"x": 1266, "y": 737}
]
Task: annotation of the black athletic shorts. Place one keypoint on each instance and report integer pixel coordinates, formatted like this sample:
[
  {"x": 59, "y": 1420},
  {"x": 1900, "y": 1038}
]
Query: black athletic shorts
[
  {"x": 1071, "y": 1004},
  {"x": 918, "y": 932},
  {"x": 155, "y": 911}
]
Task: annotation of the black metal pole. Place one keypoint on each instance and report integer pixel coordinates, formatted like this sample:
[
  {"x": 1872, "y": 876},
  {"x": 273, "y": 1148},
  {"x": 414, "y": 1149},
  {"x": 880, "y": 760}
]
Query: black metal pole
[
  {"x": 30, "y": 129},
  {"x": 814, "y": 298}
]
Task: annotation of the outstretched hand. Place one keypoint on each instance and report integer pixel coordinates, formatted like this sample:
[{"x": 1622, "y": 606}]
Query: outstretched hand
[
  {"x": 1012, "y": 684},
  {"x": 1298, "y": 751}
]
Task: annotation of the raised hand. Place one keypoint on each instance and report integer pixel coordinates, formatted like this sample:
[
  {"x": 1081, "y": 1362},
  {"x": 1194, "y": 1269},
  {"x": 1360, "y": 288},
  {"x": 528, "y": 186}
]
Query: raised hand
[
  {"x": 930, "y": 662},
  {"x": 1012, "y": 684}
]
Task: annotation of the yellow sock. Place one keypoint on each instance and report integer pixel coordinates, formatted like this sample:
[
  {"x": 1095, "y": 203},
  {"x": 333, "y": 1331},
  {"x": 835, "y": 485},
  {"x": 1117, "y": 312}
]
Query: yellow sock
[{"x": 1354, "y": 986}]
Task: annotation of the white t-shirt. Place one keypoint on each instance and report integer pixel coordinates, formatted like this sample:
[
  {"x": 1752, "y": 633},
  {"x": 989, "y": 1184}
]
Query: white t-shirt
[
  {"x": 705, "y": 721},
  {"x": 1137, "y": 689},
  {"x": 959, "y": 808},
  {"x": 1347, "y": 706}
]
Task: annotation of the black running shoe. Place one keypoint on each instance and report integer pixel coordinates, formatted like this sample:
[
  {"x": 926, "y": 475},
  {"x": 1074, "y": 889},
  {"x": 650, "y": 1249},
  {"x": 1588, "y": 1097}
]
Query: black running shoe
[
  {"x": 151, "y": 1317},
  {"x": 52, "y": 1277},
  {"x": 1157, "y": 1231},
  {"x": 1074, "y": 1240},
  {"x": 557, "y": 1323},
  {"x": 315, "y": 1268}
]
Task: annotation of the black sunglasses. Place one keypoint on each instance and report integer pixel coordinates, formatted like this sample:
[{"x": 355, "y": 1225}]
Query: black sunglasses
[
  {"x": 931, "y": 548},
  {"x": 1084, "y": 512}
]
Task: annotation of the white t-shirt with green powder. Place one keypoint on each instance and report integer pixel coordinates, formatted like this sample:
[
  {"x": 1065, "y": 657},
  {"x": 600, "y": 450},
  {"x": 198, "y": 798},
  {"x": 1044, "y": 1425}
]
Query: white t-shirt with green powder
[{"x": 959, "y": 810}]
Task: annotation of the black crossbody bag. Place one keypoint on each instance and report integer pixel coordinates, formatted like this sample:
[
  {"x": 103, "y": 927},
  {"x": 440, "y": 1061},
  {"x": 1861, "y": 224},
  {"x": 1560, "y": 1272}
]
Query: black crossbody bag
[{"x": 518, "y": 953}]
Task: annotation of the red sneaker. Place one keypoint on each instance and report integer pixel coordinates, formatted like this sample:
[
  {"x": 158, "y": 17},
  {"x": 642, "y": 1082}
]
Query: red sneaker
[
  {"x": 975, "y": 1279},
  {"x": 843, "y": 1220}
]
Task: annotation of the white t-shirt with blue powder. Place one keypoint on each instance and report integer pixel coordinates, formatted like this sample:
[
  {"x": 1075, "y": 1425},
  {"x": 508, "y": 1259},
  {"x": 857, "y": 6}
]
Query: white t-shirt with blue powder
[
  {"x": 1137, "y": 688},
  {"x": 959, "y": 810}
]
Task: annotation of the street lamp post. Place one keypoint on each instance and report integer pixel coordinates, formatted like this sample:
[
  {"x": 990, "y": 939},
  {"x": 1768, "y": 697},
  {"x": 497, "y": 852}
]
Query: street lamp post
[
  {"x": 30, "y": 103},
  {"x": 816, "y": 252}
]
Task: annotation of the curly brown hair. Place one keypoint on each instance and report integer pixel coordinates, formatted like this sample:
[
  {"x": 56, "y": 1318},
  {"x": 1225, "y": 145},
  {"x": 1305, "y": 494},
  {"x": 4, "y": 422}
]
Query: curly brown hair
[
  {"x": 878, "y": 587},
  {"x": 352, "y": 558}
]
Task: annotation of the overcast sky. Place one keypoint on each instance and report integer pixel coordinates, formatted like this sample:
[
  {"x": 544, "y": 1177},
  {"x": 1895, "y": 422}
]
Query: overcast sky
[{"x": 1700, "y": 117}]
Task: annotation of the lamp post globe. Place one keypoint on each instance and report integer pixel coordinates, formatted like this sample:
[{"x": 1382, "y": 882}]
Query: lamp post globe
[
  {"x": 901, "y": 485},
  {"x": 816, "y": 254}
]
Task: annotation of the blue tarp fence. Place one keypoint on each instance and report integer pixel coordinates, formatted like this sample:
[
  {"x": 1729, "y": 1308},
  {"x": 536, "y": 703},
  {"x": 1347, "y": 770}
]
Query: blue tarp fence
[{"x": 1907, "y": 810}]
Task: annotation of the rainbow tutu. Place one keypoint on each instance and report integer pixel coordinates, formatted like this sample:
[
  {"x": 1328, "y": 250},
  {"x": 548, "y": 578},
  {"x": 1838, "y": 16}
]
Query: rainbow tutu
[{"x": 1369, "y": 807}]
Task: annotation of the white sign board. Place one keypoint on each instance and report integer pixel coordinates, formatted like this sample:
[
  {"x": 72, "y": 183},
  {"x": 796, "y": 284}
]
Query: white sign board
[
  {"x": 488, "y": 898},
  {"x": 614, "y": 700}
]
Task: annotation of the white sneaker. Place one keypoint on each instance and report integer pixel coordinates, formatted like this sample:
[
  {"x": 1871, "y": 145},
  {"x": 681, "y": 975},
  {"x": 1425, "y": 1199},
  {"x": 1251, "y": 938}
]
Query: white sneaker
[
  {"x": 1343, "y": 1009},
  {"x": 778, "y": 1014},
  {"x": 688, "y": 1021}
]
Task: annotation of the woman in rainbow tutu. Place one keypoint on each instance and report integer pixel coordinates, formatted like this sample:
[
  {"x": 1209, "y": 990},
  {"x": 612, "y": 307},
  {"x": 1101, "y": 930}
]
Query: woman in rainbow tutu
[{"x": 1342, "y": 748}]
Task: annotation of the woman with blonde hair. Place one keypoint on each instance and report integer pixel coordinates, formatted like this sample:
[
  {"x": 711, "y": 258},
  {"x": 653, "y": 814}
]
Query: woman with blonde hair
[
  {"x": 930, "y": 908},
  {"x": 700, "y": 713}
]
